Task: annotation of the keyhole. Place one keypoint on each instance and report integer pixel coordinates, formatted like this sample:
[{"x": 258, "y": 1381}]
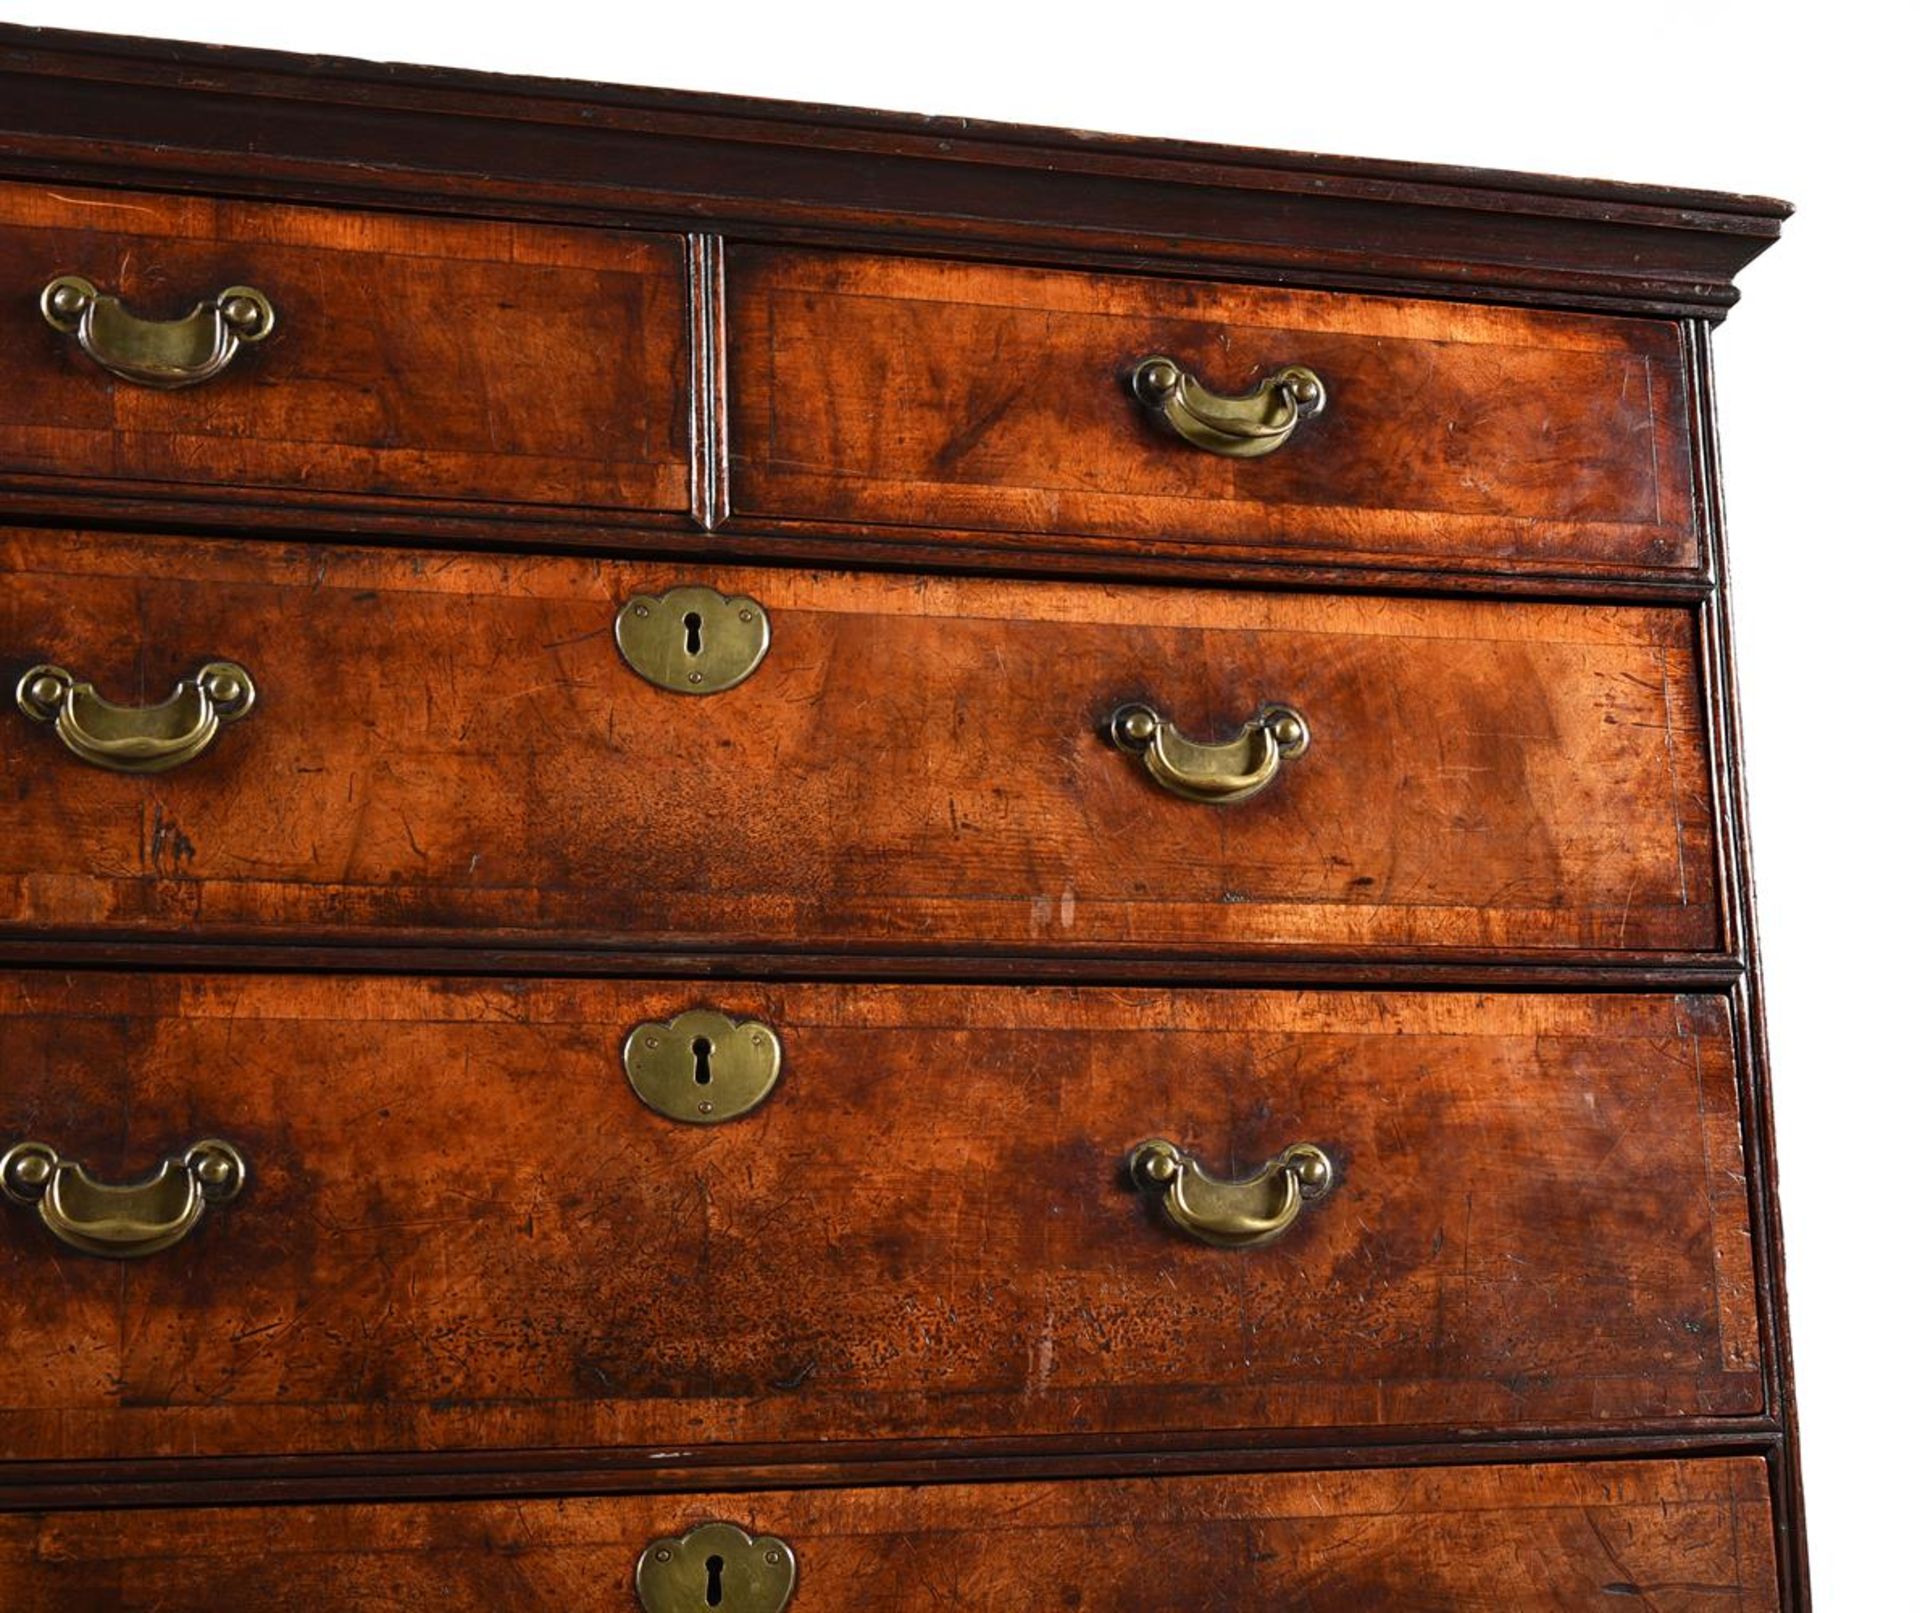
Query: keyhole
[
  {"x": 703, "y": 1076},
  {"x": 691, "y": 621},
  {"x": 716, "y": 1565}
]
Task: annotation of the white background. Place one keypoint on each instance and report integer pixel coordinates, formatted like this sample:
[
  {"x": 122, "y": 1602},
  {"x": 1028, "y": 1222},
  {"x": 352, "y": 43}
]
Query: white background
[{"x": 1818, "y": 372}]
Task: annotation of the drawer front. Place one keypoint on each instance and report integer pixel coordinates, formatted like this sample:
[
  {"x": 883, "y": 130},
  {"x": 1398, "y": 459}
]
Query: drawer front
[
  {"x": 462, "y": 1229},
  {"x": 903, "y": 392},
  {"x": 1690, "y": 1537},
  {"x": 410, "y": 358},
  {"x": 452, "y": 747}
]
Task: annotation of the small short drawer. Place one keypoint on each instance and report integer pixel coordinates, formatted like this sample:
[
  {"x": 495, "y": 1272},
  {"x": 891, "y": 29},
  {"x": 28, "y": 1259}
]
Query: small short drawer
[
  {"x": 1692, "y": 1536},
  {"x": 390, "y": 359},
  {"x": 900, "y": 392},
  {"x": 472, "y": 1217},
  {"x": 454, "y": 748}
]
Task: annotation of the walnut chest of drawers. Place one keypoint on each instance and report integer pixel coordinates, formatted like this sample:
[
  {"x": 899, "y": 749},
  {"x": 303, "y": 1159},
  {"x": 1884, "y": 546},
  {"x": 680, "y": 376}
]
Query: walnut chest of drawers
[{"x": 767, "y": 857}]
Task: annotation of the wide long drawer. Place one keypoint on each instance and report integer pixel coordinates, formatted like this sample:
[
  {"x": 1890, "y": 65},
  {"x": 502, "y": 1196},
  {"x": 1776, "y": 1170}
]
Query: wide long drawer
[
  {"x": 1686, "y": 1536},
  {"x": 461, "y": 1227},
  {"x": 900, "y": 392},
  {"x": 453, "y": 747},
  {"x": 399, "y": 359}
]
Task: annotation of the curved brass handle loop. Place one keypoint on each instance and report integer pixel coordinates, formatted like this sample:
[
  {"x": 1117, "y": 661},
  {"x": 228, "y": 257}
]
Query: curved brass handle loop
[
  {"x": 1218, "y": 774},
  {"x": 1239, "y": 1214},
  {"x": 1243, "y": 427},
  {"x": 137, "y": 739},
  {"x": 164, "y": 353},
  {"x": 119, "y": 1220}
]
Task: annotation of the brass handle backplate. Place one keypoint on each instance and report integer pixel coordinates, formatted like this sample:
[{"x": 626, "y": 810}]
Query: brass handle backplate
[
  {"x": 693, "y": 639},
  {"x": 137, "y": 739},
  {"x": 1219, "y": 774},
  {"x": 701, "y": 1066},
  {"x": 1243, "y": 427},
  {"x": 1241, "y": 1214},
  {"x": 122, "y": 1220},
  {"x": 164, "y": 353},
  {"x": 716, "y": 1565}
]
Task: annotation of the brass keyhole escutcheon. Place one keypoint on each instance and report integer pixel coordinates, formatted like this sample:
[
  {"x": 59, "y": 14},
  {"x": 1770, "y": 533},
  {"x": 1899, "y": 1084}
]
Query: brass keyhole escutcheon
[
  {"x": 716, "y": 1565},
  {"x": 693, "y": 639},
  {"x": 701, "y": 1066}
]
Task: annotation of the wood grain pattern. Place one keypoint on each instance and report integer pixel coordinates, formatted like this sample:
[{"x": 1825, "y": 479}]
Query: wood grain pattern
[
  {"x": 1685, "y": 1537},
  {"x": 464, "y": 1231},
  {"x": 449, "y": 747},
  {"x": 1524, "y": 796},
  {"x": 904, "y": 392},
  {"x": 412, "y": 357}
]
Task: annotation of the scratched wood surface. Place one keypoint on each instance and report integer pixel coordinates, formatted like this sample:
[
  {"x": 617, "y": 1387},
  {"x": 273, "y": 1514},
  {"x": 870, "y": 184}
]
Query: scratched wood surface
[
  {"x": 463, "y": 1230},
  {"x": 438, "y": 359},
  {"x": 450, "y": 746},
  {"x": 903, "y": 391},
  {"x": 1680, "y": 1536}
]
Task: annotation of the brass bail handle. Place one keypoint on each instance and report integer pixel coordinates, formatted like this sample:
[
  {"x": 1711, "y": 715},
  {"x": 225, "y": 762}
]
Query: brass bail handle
[
  {"x": 165, "y": 353},
  {"x": 1242, "y": 427},
  {"x": 122, "y": 1220},
  {"x": 1218, "y": 774},
  {"x": 1238, "y": 1214},
  {"x": 136, "y": 739}
]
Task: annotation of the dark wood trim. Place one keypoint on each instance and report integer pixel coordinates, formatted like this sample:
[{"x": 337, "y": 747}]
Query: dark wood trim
[
  {"x": 244, "y": 122},
  {"x": 707, "y": 384},
  {"x": 243, "y": 1481},
  {"x": 1729, "y": 773},
  {"x": 139, "y": 507},
  {"x": 298, "y": 952}
]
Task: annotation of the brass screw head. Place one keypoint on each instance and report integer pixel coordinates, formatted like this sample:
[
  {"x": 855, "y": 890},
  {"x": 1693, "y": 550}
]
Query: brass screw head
[
  {"x": 1306, "y": 391},
  {"x": 243, "y": 313},
  {"x": 67, "y": 300},
  {"x": 1312, "y": 1171},
  {"x": 213, "y": 1170},
  {"x": 1289, "y": 731},
  {"x": 1159, "y": 377},
  {"x": 1158, "y": 1166},
  {"x": 32, "y": 1170},
  {"x": 1138, "y": 726},
  {"x": 223, "y": 687},
  {"x": 45, "y": 690}
]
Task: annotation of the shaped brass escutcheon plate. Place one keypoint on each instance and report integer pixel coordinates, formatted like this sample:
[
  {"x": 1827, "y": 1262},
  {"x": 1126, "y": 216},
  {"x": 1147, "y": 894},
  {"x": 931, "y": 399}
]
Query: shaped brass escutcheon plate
[
  {"x": 701, "y": 1066},
  {"x": 693, "y": 639},
  {"x": 716, "y": 1565}
]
